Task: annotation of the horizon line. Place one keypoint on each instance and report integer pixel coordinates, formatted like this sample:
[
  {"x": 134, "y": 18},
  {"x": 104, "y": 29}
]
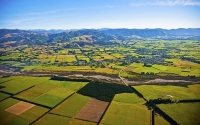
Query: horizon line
[{"x": 96, "y": 28}]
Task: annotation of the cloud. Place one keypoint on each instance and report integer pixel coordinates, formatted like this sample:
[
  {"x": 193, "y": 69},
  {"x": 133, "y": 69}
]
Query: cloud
[
  {"x": 178, "y": 2},
  {"x": 18, "y": 21},
  {"x": 25, "y": 20},
  {"x": 166, "y": 3},
  {"x": 67, "y": 9},
  {"x": 47, "y": 12}
]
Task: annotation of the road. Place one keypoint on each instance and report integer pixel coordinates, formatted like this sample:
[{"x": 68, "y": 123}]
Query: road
[
  {"x": 122, "y": 79},
  {"x": 78, "y": 46}
]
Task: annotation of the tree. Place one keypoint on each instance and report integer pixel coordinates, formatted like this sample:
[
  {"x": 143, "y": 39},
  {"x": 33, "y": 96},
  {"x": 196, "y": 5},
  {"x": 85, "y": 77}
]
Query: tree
[
  {"x": 142, "y": 73},
  {"x": 102, "y": 66}
]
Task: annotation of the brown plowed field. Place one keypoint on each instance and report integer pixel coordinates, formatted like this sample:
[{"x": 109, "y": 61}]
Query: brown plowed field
[
  {"x": 19, "y": 108},
  {"x": 92, "y": 111}
]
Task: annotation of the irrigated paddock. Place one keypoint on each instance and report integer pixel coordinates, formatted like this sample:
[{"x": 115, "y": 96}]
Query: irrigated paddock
[{"x": 92, "y": 111}]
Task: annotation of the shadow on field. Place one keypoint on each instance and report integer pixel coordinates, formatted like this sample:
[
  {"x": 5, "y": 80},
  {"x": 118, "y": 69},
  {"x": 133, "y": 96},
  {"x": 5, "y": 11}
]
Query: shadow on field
[
  {"x": 103, "y": 91},
  {"x": 5, "y": 81}
]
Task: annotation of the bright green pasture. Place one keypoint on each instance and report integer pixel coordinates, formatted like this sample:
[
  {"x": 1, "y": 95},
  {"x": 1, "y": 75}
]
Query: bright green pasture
[
  {"x": 182, "y": 69},
  {"x": 139, "y": 67},
  {"x": 35, "y": 92},
  {"x": 117, "y": 55},
  {"x": 51, "y": 119},
  {"x": 127, "y": 98},
  {"x": 184, "y": 64},
  {"x": 56, "y": 88},
  {"x": 183, "y": 113},
  {"x": 82, "y": 57},
  {"x": 60, "y": 92},
  {"x": 126, "y": 109},
  {"x": 19, "y": 83},
  {"x": 69, "y": 58},
  {"x": 72, "y": 85},
  {"x": 47, "y": 94},
  {"x": 31, "y": 67},
  {"x": 126, "y": 74},
  {"x": 120, "y": 113},
  {"x": 48, "y": 100},
  {"x": 71, "y": 106},
  {"x": 156, "y": 91}
]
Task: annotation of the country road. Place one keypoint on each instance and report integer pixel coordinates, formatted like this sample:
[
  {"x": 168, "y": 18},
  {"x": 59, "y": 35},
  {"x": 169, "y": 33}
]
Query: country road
[
  {"x": 122, "y": 79},
  {"x": 78, "y": 46}
]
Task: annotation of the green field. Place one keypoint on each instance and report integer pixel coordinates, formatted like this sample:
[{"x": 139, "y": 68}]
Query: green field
[
  {"x": 120, "y": 113},
  {"x": 51, "y": 119},
  {"x": 164, "y": 57},
  {"x": 127, "y": 98},
  {"x": 18, "y": 121},
  {"x": 36, "y": 91},
  {"x": 158, "y": 91},
  {"x": 48, "y": 100},
  {"x": 183, "y": 70},
  {"x": 83, "y": 58},
  {"x": 80, "y": 122},
  {"x": 50, "y": 92},
  {"x": 46, "y": 94},
  {"x": 6, "y": 117},
  {"x": 71, "y": 106},
  {"x": 3, "y": 96},
  {"x": 132, "y": 57},
  {"x": 7, "y": 103},
  {"x": 16, "y": 84},
  {"x": 158, "y": 120},
  {"x": 183, "y": 113},
  {"x": 126, "y": 109},
  {"x": 26, "y": 117},
  {"x": 69, "y": 58},
  {"x": 33, "y": 113},
  {"x": 71, "y": 85}
]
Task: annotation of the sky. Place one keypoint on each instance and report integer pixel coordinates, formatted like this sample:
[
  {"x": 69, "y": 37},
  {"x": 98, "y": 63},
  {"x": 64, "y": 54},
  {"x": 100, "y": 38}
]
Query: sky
[{"x": 78, "y": 14}]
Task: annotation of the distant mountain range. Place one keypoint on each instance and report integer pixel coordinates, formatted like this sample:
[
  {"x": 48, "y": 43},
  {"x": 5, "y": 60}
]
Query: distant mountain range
[
  {"x": 147, "y": 33},
  {"x": 94, "y": 35}
]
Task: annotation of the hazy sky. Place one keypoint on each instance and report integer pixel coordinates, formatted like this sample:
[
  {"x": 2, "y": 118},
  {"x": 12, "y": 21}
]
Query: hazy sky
[{"x": 75, "y": 14}]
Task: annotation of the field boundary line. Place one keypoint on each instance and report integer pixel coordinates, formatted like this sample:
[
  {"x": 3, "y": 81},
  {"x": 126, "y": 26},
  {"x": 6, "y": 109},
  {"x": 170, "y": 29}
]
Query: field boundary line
[
  {"x": 104, "y": 112},
  {"x": 17, "y": 92},
  {"x": 6, "y": 81},
  {"x": 7, "y": 93},
  {"x": 31, "y": 102},
  {"x": 85, "y": 120},
  {"x": 59, "y": 115},
  {"x": 49, "y": 111},
  {"x": 5, "y": 98},
  {"x": 82, "y": 109}
]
